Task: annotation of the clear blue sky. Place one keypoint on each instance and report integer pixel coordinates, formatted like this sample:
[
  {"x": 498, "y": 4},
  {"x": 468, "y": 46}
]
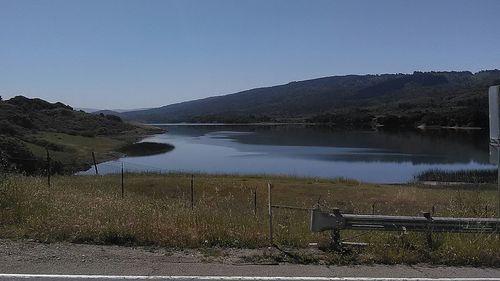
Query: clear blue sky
[{"x": 132, "y": 54}]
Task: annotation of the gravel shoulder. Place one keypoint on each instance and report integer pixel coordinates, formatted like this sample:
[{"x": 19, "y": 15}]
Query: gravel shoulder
[{"x": 66, "y": 258}]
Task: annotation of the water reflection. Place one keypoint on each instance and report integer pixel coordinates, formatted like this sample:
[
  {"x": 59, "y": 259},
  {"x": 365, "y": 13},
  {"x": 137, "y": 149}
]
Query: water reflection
[
  {"x": 438, "y": 146},
  {"x": 315, "y": 151}
]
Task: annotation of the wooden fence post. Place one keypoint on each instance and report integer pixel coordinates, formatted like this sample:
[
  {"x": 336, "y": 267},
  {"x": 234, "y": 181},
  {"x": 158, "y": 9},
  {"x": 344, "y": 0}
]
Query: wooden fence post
[
  {"x": 95, "y": 163},
  {"x": 428, "y": 232},
  {"x": 255, "y": 202},
  {"x": 270, "y": 209},
  {"x": 192, "y": 192},
  {"x": 123, "y": 185},
  {"x": 48, "y": 166},
  {"x": 318, "y": 204}
]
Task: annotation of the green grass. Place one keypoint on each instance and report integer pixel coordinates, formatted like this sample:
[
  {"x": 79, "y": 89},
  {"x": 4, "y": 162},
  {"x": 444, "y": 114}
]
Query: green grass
[
  {"x": 75, "y": 151},
  {"x": 156, "y": 211},
  {"x": 81, "y": 146},
  {"x": 465, "y": 176},
  {"x": 29, "y": 126}
]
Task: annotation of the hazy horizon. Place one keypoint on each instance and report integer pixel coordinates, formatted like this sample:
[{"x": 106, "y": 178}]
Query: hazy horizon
[{"x": 129, "y": 55}]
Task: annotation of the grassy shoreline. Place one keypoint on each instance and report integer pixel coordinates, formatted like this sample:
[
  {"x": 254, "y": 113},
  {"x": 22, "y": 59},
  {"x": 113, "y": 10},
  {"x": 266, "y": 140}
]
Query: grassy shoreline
[
  {"x": 489, "y": 176},
  {"x": 156, "y": 210},
  {"x": 74, "y": 152}
]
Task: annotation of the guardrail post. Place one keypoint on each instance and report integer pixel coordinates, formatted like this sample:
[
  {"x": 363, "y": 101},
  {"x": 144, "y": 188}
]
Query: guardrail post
[{"x": 336, "y": 243}]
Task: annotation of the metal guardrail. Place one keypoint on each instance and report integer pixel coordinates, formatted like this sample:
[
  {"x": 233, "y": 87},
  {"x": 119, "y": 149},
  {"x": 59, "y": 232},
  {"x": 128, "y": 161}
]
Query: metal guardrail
[
  {"x": 321, "y": 221},
  {"x": 336, "y": 221}
]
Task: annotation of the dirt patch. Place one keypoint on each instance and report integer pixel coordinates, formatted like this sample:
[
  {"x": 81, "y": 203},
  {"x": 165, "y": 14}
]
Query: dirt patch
[
  {"x": 29, "y": 251},
  {"x": 24, "y": 256}
]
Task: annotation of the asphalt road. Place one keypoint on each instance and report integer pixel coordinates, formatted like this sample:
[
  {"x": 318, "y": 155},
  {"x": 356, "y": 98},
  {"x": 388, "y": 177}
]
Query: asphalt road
[{"x": 220, "y": 272}]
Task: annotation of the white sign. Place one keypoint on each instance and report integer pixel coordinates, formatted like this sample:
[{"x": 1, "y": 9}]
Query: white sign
[
  {"x": 494, "y": 99},
  {"x": 493, "y": 154}
]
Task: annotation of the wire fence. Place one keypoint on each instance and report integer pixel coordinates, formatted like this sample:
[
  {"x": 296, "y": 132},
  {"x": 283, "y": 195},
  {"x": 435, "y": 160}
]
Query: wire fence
[
  {"x": 113, "y": 166},
  {"x": 122, "y": 167}
]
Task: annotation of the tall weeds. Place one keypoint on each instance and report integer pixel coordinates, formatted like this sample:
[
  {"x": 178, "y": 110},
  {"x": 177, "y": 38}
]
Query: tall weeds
[{"x": 156, "y": 210}]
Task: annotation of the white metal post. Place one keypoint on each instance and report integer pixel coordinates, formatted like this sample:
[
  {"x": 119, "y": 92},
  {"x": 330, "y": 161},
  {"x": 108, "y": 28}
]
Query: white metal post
[
  {"x": 494, "y": 114},
  {"x": 498, "y": 182}
]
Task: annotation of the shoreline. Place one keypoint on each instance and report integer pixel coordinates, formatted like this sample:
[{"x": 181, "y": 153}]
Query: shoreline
[
  {"x": 420, "y": 127},
  {"x": 229, "y": 124},
  {"x": 77, "y": 153},
  {"x": 243, "y": 173},
  {"x": 127, "y": 139}
]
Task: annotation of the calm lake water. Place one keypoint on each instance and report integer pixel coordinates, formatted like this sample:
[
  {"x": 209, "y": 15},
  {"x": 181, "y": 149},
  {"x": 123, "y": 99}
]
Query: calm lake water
[{"x": 373, "y": 156}]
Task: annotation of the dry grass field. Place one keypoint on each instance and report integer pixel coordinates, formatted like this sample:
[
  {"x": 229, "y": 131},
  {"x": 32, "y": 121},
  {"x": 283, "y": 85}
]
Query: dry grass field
[{"x": 156, "y": 210}]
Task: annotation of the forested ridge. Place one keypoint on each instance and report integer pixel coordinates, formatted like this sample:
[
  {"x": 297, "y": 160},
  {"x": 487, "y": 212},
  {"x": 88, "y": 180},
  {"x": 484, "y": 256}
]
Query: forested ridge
[{"x": 391, "y": 100}]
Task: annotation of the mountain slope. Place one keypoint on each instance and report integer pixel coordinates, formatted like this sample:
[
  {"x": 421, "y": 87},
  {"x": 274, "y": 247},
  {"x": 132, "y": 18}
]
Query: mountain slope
[
  {"x": 382, "y": 96},
  {"x": 31, "y": 127}
]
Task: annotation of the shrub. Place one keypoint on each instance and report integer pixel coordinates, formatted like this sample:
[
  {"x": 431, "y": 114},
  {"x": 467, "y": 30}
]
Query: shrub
[
  {"x": 113, "y": 118},
  {"x": 6, "y": 128}
]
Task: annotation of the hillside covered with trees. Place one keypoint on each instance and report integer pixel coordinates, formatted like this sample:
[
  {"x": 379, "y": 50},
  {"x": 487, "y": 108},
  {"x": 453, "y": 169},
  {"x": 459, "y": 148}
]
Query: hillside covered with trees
[{"x": 391, "y": 100}]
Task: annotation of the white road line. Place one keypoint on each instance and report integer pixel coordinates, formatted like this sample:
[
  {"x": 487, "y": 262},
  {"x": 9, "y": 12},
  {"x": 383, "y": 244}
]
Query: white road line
[{"x": 236, "y": 278}]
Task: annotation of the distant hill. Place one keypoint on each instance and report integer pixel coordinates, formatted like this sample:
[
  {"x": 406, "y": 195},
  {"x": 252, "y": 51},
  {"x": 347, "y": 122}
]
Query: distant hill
[
  {"x": 21, "y": 115},
  {"x": 106, "y": 111},
  {"x": 114, "y": 111},
  {"x": 393, "y": 100},
  {"x": 30, "y": 126}
]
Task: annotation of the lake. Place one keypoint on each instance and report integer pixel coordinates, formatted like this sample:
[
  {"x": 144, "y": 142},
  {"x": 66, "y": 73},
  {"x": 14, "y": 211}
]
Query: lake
[{"x": 310, "y": 151}]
